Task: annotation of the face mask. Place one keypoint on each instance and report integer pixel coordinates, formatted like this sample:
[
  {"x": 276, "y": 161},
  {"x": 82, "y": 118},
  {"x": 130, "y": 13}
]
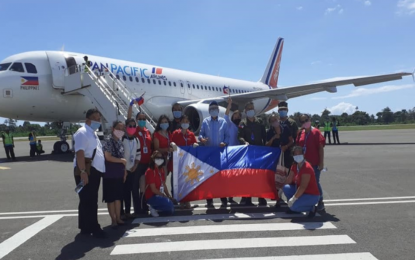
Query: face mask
[
  {"x": 306, "y": 125},
  {"x": 164, "y": 126},
  {"x": 159, "y": 161},
  {"x": 250, "y": 113},
  {"x": 236, "y": 121},
  {"x": 185, "y": 126},
  {"x": 177, "y": 114},
  {"x": 141, "y": 123},
  {"x": 95, "y": 125},
  {"x": 283, "y": 113},
  {"x": 298, "y": 158},
  {"x": 275, "y": 124},
  {"x": 118, "y": 133},
  {"x": 214, "y": 112},
  {"x": 130, "y": 131}
]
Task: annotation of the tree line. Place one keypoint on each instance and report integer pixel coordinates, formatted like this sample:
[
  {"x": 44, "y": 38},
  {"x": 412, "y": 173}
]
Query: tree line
[{"x": 49, "y": 129}]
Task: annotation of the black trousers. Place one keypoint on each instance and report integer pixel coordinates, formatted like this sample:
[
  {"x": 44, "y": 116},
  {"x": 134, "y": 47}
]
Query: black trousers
[
  {"x": 139, "y": 201},
  {"x": 336, "y": 136},
  {"x": 127, "y": 190},
  {"x": 327, "y": 133},
  {"x": 9, "y": 152},
  {"x": 32, "y": 150},
  {"x": 88, "y": 202}
]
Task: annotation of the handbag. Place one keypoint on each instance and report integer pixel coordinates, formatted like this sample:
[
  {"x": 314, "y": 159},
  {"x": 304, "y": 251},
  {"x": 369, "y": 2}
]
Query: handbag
[
  {"x": 88, "y": 165},
  {"x": 281, "y": 173}
]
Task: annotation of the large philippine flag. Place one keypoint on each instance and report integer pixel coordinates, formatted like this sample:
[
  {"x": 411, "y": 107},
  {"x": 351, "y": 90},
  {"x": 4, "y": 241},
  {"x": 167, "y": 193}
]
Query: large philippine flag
[{"x": 233, "y": 171}]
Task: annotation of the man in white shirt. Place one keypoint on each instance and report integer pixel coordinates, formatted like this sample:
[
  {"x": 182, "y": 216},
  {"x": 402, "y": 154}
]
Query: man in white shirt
[{"x": 88, "y": 148}]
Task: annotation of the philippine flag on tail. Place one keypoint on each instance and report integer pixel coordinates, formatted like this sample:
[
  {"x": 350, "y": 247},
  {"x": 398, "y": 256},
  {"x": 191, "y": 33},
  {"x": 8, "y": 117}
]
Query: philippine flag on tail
[
  {"x": 234, "y": 171},
  {"x": 29, "y": 81}
]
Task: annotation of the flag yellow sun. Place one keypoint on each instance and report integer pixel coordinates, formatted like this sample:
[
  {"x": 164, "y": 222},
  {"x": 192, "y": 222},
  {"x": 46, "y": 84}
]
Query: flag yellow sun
[{"x": 193, "y": 173}]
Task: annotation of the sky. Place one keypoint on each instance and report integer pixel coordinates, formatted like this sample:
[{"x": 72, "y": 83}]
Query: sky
[{"x": 323, "y": 39}]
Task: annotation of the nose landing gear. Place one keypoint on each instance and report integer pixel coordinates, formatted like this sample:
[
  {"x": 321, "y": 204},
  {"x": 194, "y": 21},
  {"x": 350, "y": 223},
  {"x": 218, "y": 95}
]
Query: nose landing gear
[{"x": 62, "y": 146}]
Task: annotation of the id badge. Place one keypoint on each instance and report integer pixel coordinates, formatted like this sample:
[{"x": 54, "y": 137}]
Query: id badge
[
  {"x": 132, "y": 158},
  {"x": 162, "y": 189},
  {"x": 145, "y": 150}
]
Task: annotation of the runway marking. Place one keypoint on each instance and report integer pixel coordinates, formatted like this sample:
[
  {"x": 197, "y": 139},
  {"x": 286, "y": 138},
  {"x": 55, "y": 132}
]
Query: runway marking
[
  {"x": 231, "y": 244},
  {"x": 19, "y": 238},
  {"x": 4, "y": 168},
  {"x": 366, "y": 199},
  {"x": 147, "y": 232},
  {"x": 344, "y": 256},
  {"x": 230, "y": 216},
  {"x": 370, "y": 203}
]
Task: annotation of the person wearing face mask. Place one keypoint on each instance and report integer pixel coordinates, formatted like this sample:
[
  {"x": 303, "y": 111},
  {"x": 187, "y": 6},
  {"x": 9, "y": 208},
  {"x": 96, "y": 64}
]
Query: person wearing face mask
[
  {"x": 115, "y": 173},
  {"x": 162, "y": 140},
  {"x": 214, "y": 132},
  {"x": 252, "y": 132},
  {"x": 301, "y": 188},
  {"x": 156, "y": 193},
  {"x": 183, "y": 137},
  {"x": 89, "y": 164},
  {"x": 291, "y": 123},
  {"x": 279, "y": 135},
  {"x": 177, "y": 111},
  {"x": 132, "y": 153},
  {"x": 233, "y": 124},
  {"x": 312, "y": 142}
]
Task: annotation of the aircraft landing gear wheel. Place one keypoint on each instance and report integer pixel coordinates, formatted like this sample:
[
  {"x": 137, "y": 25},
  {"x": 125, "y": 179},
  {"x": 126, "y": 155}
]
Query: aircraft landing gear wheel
[{"x": 60, "y": 147}]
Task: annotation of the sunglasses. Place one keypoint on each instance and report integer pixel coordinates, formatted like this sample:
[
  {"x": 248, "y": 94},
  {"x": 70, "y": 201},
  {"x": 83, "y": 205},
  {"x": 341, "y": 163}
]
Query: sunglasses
[
  {"x": 305, "y": 121},
  {"x": 132, "y": 126}
]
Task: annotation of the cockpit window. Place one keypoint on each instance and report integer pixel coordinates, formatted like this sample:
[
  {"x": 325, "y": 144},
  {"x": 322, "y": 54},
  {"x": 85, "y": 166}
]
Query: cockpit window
[
  {"x": 30, "y": 68},
  {"x": 4, "y": 66},
  {"x": 17, "y": 66}
]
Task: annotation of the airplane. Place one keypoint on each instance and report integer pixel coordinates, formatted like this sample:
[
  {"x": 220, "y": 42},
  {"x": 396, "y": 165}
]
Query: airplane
[{"x": 56, "y": 86}]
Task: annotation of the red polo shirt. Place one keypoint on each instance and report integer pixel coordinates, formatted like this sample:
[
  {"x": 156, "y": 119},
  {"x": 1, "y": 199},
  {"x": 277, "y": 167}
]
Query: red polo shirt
[
  {"x": 155, "y": 176},
  {"x": 312, "y": 187},
  {"x": 181, "y": 139},
  {"x": 311, "y": 142},
  {"x": 144, "y": 136}
]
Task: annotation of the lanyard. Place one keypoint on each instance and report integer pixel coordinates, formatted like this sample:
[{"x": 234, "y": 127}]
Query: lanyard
[
  {"x": 161, "y": 179},
  {"x": 184, "y": 137},
  {"x": 305, "y": 142},
  {"x": 144, "y": 139},
  {"x": 131, "y": 148}
]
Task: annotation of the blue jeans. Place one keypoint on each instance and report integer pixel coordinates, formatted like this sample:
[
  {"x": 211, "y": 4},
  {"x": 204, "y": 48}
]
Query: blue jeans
[
  {"x": 304, "y": 203},
  {"x": 317, "y": 173},
  {"x": 161, "y": 204}
]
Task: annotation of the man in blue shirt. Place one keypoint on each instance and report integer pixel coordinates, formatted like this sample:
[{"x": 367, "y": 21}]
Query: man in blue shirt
[{"x": 214, "y": 132}]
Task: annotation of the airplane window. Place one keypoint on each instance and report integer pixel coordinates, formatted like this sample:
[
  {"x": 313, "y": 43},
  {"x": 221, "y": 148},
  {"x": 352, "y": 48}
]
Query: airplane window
[
  {"x": 136, "y": 79},
  {"x": 209, "y": 88},
  {"x": 193, "y": 86},
  {"x": 124, "y": 78},
  {"x": 131, "y": 78},
  {"x": 148, "y": 81},
  {"x": 205, "y": 88},
  {"x": 169, "y": 83},
  {"x": 118, "y": 76},
  {"x": 4, "y": 66},
  {"x": 181, "y": 84},
  {"x": 159, "y": 82},
  {"x": 154, "y": 81},
  {"x": 174, "y": 83},
  {"x": 164, "y": 83},
  {"x": 30, "y": 68},
  {"x": 197, "y": 86},
  {"x": 17, "y": 66},
  {"x": 188, "y": 85}
]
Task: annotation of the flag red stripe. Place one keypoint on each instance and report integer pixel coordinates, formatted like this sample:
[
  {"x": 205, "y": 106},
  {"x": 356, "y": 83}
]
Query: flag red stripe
[{"x": 236, "y": 183}]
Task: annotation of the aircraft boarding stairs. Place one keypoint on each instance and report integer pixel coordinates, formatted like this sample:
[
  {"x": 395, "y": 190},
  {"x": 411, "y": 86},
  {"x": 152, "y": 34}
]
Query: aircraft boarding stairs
[{"x": 108, "y": 94}]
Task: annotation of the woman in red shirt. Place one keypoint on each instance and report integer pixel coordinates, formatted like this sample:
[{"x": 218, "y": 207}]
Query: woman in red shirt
[
  {"x": 301, "y": 186},
  {"x": 162, "y": 139},
  {"x": 312, "y": 142},
  {"x": 156, "y": 193}
]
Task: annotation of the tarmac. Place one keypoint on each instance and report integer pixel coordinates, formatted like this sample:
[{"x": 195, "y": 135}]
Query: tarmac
[{"x": 368, "y": 190}]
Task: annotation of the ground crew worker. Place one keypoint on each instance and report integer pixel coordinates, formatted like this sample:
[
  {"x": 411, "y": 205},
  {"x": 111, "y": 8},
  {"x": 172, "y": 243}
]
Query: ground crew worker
[
  {"x": 327, "y": 131},
  {"x": 39, "y": 148},
  {"x": 8, "y": 144},
  {"x": 32, "y": 142},
  {"x": 86, "y": 63},
  {"x": 335, "y": 131},
  {"x": 252, "y": 132}
]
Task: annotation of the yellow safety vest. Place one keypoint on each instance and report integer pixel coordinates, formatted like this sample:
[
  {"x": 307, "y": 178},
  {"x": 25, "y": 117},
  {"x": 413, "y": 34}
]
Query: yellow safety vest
[
  {"x": 8, "y": 138},
  {"x": 326, "y": 127}
]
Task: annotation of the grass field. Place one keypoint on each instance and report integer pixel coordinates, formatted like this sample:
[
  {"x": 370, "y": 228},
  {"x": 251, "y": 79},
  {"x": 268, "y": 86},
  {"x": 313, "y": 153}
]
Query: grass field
[{"x": 376, "y": 127}]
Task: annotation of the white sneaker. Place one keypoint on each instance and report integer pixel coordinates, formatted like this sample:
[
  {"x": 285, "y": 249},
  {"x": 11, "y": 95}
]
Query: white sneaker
[{"x": 153, "y": 212}]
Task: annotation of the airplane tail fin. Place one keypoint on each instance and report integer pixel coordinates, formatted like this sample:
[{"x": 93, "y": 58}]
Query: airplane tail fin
[{"x": 272, "y": 71}]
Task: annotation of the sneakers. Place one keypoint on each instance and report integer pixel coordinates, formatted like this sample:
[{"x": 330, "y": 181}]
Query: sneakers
[
  {"x": 153, "y": 212},
  {"x": 320, "y": 206},
  {"x": 313, "y": 212}
]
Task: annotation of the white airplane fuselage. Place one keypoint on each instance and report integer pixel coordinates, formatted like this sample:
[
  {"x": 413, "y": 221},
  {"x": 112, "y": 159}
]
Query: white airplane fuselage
[{"x": 38, "y": 96}]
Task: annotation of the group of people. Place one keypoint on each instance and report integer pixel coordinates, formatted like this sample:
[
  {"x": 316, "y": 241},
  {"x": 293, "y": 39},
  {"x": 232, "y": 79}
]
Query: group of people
[
  {"x": 135, "y": 163},
  {"x": 36, "y": 147}
]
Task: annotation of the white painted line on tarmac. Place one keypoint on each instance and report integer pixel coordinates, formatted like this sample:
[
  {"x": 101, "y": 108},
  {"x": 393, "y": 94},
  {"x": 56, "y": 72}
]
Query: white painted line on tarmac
[
  {"x": 43, "y": 216},
  {"x": 231, "y": 244},
  {"x": 369, "y": 203},
  {"x": 19, "y": 238},
  {"x": 368, "y": 199},
  {"x": 148, "y": 232},
  {"x": 230, "y": 216},
  {"x": 344, "y": 256}
]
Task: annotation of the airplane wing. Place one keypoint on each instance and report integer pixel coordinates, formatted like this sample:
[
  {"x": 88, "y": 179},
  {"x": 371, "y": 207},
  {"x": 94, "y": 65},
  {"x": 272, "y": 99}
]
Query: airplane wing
[{"x": 286, "y": 93}]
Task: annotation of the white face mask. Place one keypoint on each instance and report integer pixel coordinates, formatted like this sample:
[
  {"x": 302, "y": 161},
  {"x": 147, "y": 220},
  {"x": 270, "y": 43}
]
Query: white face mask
[
  {"x": 298, "y": 158},
  {"x": 159, "y": 161},
  {"x": 118, "y": 133}
]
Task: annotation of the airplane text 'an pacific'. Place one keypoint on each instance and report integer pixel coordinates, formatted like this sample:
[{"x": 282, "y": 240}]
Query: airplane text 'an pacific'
[{"x": 124, "y": 70}]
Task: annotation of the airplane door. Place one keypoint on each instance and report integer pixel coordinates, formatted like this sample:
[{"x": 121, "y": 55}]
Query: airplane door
[
  {"x": 58, "y": 65},
  {"x": 189, "y": 87},
  {"x": 181, "y": 86}
]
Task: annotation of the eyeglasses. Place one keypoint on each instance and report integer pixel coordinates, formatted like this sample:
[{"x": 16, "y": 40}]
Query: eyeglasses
[
  {"x": 132, "y": 126},
  {"x": 305, "y": 121}
]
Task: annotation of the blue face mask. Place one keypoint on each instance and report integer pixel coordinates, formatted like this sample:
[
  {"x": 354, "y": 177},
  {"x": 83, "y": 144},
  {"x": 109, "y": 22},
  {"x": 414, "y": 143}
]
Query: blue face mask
[
  {"x": 214, "y": 112},
  {"x": 95, "y": 125},
  {"x": 250, "y": 113},
  {"x": 141, "y": 123},
  {"x": 164, "y": 126},
  {"x": 185, "y": 126},
  {"x": 283, "y": 113},
  {"x": 177, "y": 114}
]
